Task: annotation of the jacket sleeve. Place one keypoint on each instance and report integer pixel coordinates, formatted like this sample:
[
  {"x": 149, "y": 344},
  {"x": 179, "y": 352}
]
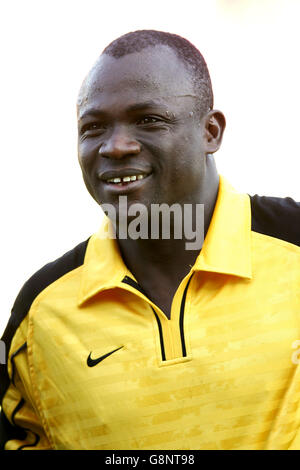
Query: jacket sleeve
[{"x": 21, "y": 425}]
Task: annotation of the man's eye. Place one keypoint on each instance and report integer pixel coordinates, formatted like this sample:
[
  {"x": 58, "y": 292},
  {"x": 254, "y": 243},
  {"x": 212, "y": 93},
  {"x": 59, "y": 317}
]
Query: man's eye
[
  {"x": 94, "y": 126},
  {"x": 148, "y": 120}
]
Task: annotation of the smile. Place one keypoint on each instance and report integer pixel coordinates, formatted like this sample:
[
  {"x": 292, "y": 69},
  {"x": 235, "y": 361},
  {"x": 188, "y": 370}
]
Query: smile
[{"x": 125, "y": 179}]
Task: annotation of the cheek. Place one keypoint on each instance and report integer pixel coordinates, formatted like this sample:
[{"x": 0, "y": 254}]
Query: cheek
[
  {"x": 187, "y": 168},
  {"x": 87, "y": 155},
  {"x": 87, "y": 161},
  {"x": 88, "y": 185}
]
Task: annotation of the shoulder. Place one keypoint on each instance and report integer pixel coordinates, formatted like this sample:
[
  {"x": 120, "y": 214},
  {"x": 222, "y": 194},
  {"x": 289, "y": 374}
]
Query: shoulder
[
  {"x": 38, "y": 282},
  {"x": 48, "y": 274},
  {"x": 276, "y": 217}
]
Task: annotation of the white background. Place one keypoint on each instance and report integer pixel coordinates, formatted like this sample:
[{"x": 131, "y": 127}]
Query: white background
[{"x": 252, "y": 51}]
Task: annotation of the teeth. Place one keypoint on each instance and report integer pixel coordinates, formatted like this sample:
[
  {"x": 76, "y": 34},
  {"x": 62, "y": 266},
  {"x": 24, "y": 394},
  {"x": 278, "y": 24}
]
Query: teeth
[{"x": 125, "y": 179}]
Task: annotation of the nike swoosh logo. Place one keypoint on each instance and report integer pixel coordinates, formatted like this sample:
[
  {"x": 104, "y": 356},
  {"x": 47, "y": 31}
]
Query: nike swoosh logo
[{"x": 93, "y": 362}]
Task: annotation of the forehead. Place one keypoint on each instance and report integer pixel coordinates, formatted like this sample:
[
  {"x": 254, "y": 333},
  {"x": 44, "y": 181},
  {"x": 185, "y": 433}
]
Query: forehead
[{"x": 154, "y": 73}]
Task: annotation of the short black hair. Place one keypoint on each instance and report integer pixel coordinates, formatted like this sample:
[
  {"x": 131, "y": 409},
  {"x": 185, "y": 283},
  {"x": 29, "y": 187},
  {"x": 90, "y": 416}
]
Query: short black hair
[{"x": 136, "y": 41}]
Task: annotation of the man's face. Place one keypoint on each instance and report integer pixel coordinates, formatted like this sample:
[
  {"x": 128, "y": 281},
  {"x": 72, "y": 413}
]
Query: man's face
[{"x": 137, "y": 119}]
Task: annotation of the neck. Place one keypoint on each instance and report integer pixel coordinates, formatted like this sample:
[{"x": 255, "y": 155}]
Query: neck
[{"x": 170, "y": 257}]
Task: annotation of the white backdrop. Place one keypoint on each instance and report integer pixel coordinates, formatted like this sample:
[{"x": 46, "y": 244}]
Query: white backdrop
[{"x": 252, "y": 51}]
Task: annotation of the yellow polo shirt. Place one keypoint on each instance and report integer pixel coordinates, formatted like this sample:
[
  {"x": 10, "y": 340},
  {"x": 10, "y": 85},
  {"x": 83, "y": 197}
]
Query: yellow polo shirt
[{"x": 94, "y": 364}]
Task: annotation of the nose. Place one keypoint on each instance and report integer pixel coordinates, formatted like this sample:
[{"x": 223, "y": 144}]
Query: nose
[{"x": 119, "y": 144}]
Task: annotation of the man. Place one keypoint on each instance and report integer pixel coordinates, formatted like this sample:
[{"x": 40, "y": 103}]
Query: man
[{"x": 140, "y": 342}]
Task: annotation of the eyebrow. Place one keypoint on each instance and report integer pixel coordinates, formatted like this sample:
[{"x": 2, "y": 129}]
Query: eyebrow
[{"x": 131, "y": 108}]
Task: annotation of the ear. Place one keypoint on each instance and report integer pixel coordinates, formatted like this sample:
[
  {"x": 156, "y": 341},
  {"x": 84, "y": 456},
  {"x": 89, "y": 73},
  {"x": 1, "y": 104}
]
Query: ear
[{"x": 214, "y": 125}]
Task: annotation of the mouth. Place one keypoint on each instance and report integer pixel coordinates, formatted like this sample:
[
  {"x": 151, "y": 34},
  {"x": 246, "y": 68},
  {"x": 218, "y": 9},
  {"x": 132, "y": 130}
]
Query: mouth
[{"x": 124, "y": 181}]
